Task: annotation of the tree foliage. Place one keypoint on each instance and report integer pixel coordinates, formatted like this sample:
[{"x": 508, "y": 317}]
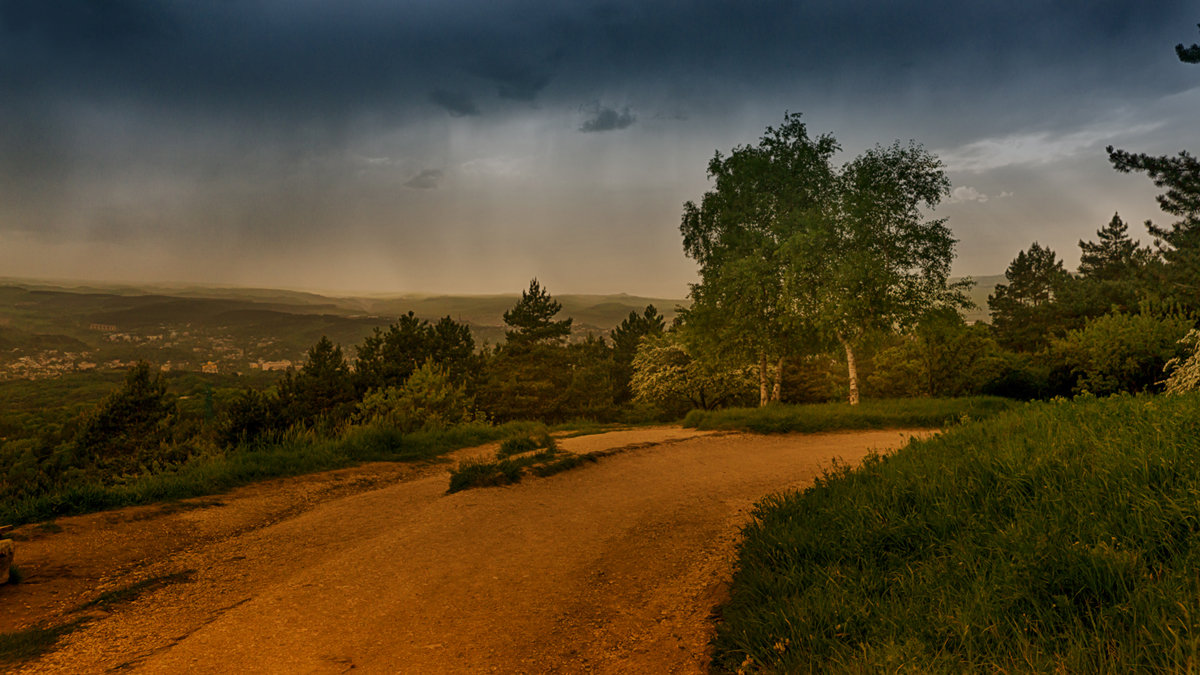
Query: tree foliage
[
  {"x": 625, "y": 339},
  {"x": 1123, "y": 352},
  {"x": 129, "y": 430},
  {"x": 1188, "y": 54},
  {"x": 531, "y": 320},
  {"x": 763, "y": 197},
  {"x": 1179, "y": 177},
  {"x": 429, "y": 399},
  {"x": 321, "y": 392},
  {"x": 667, "y": 375},
  {"x": 940, "y": 356},
  {"x": 1023, "y": 309},
  {"x": 388, "y": 358},
  {"x": 795, "y": 253}
]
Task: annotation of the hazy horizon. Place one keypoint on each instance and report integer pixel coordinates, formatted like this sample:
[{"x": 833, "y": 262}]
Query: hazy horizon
[{"x": 465, "y": 147}]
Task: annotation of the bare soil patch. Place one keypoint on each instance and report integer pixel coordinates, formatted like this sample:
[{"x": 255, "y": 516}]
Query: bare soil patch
[{"x": 614, "y": 567}]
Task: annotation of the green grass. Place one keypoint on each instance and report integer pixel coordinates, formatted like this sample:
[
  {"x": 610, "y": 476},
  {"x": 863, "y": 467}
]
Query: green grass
[
  {"x": 870, "y": 414},
  {"x": 515, "y": 459},
  {"x": 294, "y": 454},
  {"x": 1058, "y": 537}
]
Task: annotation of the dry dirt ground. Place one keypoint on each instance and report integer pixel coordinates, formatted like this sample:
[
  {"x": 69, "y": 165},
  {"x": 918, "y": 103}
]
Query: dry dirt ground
[{"x": 614, "y": 567}]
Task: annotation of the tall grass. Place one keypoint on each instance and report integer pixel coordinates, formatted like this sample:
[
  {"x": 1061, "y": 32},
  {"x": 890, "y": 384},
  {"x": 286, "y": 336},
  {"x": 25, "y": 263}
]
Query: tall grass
[
  {"x": 294, "y": 453},
  {"x": 873, "y": 414},
  {"x": 1060, "y": 537}
]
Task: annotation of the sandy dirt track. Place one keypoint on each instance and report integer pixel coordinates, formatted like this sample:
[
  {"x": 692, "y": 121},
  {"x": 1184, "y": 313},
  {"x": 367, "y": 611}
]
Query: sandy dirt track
[{"x": 612, "y": 568}]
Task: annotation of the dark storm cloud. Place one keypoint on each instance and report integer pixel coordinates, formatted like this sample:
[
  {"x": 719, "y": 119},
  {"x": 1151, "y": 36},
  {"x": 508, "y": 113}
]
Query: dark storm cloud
[
  {"x": 426, "y": 180},
  {"x": 256, "y": 114},
  {"x": 455, "y": 103},
  {"x": 302, "y": 62},
  {"x": 608, "y": 119}
]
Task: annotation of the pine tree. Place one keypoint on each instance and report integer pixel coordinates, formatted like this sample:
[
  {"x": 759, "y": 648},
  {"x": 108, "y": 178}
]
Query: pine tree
[
  {"x": 532, "y": 319},
  {"x": 1188, "y": 54},
  {"x": 322, "y": 389},
  {"x": 1023, "y": 311},
  {"x": 1113, "y": 257},
  {"x": 1178, "y": 244}
]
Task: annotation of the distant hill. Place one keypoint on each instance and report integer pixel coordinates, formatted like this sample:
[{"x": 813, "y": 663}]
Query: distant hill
[
  {"x": 39, "y": 307},
  {"x": 984, "y": 286}
]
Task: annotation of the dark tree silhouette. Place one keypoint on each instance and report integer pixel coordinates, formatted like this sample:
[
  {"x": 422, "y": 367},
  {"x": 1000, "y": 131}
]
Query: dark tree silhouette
[{"x": 531, "y": 320}]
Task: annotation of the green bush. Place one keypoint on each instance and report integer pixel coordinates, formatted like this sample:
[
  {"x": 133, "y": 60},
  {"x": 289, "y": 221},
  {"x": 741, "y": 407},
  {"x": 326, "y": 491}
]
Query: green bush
[
  {"x": 429, "y": 399},
  {"x": 1122, "y": 352}
]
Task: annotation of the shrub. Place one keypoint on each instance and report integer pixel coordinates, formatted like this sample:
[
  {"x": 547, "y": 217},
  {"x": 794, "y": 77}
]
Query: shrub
[
  {"x": 428, "y": 400},
  {"x": 1122, "y": 352},
  {"x": 1185, "y": 371}
]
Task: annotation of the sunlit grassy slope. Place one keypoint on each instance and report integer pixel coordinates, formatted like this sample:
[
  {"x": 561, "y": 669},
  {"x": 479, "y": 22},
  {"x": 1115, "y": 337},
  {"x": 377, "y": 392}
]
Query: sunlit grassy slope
[{"x": 1056, "y": 537}]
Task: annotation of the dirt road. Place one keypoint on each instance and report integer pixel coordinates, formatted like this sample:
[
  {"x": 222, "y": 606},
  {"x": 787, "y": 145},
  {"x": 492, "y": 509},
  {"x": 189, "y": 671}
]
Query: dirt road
[{"x": 613, "y": 568}]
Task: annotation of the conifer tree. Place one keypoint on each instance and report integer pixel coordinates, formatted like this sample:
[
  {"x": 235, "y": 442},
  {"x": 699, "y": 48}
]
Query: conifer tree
[
  {"x": 1113, "y": 257},
  {"x": 531, "y": 320},
  {"x": 1022, "y": 310}
]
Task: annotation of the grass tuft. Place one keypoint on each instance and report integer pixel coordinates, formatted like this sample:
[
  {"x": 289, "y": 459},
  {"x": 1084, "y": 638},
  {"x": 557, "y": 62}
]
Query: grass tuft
[{"x": 514, "y": 460}]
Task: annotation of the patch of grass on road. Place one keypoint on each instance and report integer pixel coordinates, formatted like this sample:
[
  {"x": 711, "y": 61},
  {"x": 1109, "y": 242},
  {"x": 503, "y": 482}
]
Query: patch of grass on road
[
  {"x": 870, "y": 414},
  {"x": 517, "y": 457},
  {"x": 1059, "y": 537}
]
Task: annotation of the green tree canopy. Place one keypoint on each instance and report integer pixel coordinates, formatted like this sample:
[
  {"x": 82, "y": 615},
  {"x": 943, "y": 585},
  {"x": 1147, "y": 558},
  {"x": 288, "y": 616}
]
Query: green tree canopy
[
  {"x": 763, "y": 196},
  {"x": 127, "y": 431},
  {"x": 388, "y": 358},
  {"x": 795, "y": 253},
  {"x": 1188, "y": 54},
  {"x": 625, "y": 338},
  {"x": 1179, "y": 176},
  {"x": 322, "y": 389},
  {"x": 531, "y": 320},
  {"x": 1115, "y": 256},
  {"x": 882, "y": 264},
  {"x": 1022, "y": 310}
]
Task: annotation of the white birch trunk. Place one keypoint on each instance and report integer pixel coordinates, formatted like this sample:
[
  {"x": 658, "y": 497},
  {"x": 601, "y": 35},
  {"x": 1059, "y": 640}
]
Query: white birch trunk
[{"x": 852, "y": 368}]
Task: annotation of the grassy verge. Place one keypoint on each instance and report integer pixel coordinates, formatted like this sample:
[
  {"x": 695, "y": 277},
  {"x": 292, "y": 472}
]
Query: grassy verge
[
  {"x": 517, "y": 457},
  {"x": 294, "y": 454},
  {"x": 1060, "y": 537},
  {"x": 892, "y": 413}
]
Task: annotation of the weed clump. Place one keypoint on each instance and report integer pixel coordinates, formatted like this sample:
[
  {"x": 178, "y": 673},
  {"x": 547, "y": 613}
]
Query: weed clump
[{"x": 517, "y": 457}]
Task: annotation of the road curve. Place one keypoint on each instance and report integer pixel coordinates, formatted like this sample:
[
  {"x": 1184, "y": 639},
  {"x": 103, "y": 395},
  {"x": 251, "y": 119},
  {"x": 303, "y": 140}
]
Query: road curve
[{"x": 611, "y": 568}]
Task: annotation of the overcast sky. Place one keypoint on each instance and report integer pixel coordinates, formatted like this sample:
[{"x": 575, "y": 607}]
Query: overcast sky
[{"x": 464, "y": 147}]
